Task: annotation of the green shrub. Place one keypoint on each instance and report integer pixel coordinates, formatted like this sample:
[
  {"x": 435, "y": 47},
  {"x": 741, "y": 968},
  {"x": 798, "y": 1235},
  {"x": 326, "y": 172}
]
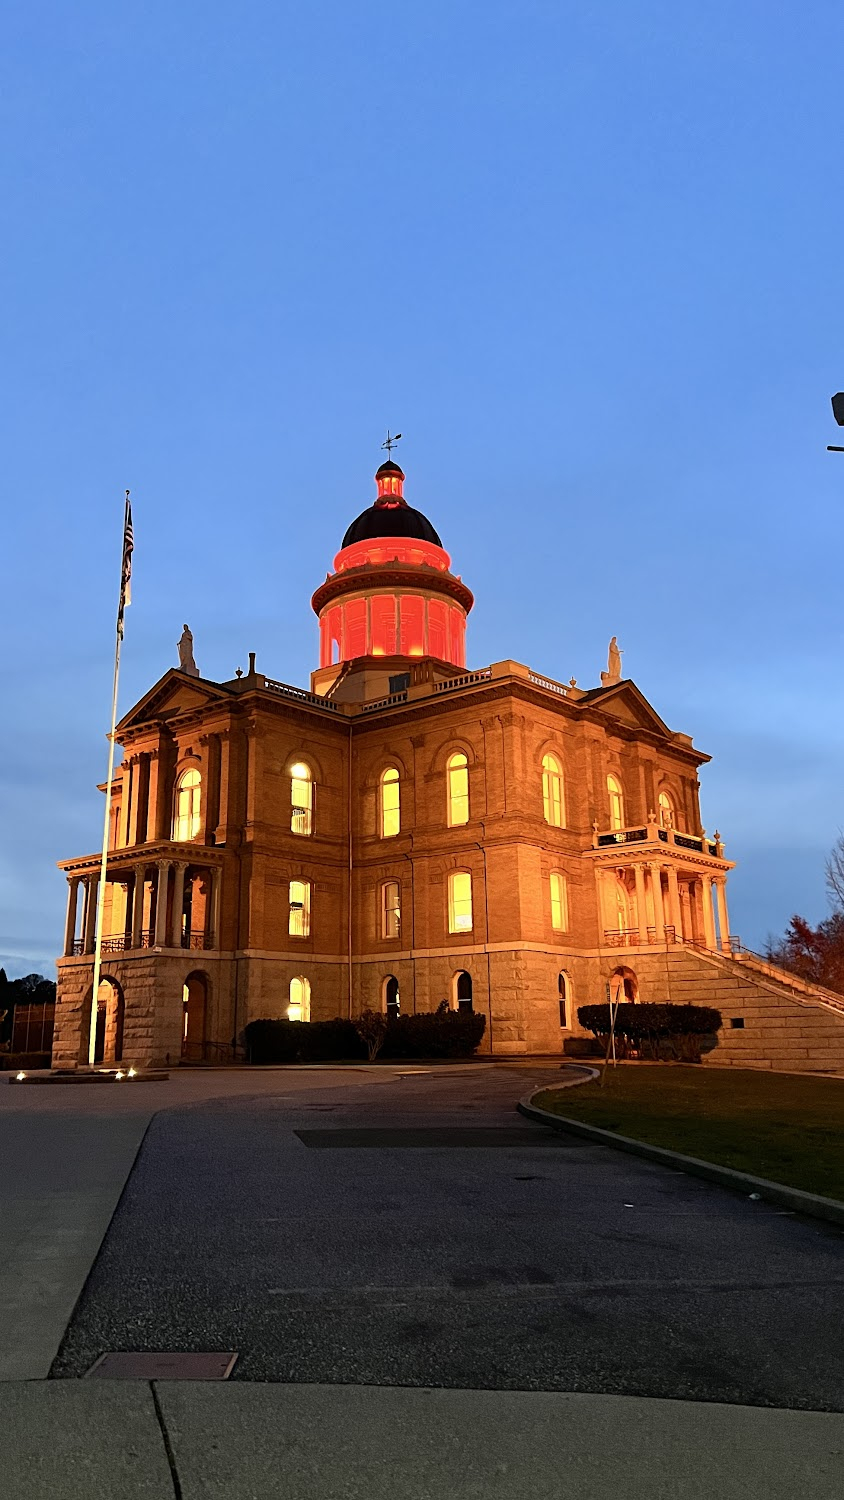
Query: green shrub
[
  {"x": 438, "y": 1033},
  {"x": 455, "y": 1033},
  {"x": 654, "y": 1031}
]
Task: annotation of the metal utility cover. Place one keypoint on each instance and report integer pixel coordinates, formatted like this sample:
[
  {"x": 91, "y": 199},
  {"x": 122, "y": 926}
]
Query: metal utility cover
[{"x": 130, "y": 1364}]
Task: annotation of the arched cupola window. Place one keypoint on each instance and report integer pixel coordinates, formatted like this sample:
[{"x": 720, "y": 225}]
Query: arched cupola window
[
  {"x": 457, "y": 772},
  {"x": 186, "y": 806},
  {"x": 666, "y": 811},
  {"x": 390, "y": 803}
]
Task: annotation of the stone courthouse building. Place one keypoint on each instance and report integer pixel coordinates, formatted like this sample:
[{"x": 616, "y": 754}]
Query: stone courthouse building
[{"x": 408, "y": 831}]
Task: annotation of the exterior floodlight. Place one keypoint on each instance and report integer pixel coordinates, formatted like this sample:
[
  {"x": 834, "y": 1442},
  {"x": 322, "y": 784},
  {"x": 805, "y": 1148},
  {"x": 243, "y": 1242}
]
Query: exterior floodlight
[
  {"x": 21, "y": 1077},
  {"x": 838, "y": 408}
]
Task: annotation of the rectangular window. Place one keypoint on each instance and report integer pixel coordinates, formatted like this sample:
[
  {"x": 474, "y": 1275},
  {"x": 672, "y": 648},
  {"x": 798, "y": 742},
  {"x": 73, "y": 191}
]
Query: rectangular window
[
  {"x": 460, "y": 901},
  {"x": 437, "y": 629},
  {"x": 355, "y": 628},
  {"x": 299, "y": 923},
  {"x": 563, "y": 1016},
  {"x": 390, "y": 909},
  {"x": 559, "y": 902},
  {"x": 383, "y": 609}
]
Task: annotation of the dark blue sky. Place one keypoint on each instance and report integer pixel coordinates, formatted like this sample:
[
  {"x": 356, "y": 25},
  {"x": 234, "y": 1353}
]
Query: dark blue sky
[{"x": 587, "y": 257}]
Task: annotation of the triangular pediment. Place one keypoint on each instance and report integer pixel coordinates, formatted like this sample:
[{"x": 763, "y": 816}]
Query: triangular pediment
[
  {"x": 174, "y": 694},
  {"x": 625, "y": 702}
]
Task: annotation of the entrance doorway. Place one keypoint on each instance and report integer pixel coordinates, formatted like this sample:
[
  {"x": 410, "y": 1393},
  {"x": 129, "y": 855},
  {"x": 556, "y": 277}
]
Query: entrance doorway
[{"x": 194, "y": 1007}]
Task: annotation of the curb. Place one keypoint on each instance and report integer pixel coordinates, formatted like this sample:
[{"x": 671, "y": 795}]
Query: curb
[{"x": 772, "y": 1192}]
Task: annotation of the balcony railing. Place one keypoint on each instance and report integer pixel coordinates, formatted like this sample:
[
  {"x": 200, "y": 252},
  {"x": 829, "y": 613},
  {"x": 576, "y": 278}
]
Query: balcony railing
[
  {"x": 631, "y": 937},
  {"x": 651, "y": 833},
  {"x": 121, "y": 942}
]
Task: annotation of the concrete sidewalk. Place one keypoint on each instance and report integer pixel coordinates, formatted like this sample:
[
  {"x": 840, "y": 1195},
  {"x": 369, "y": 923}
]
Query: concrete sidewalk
[{"x": 101, "y": 1439}]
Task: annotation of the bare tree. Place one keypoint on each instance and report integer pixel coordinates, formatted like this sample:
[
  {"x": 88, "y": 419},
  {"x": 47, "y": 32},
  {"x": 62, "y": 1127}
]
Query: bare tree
[{"x": 835, "y": 875}]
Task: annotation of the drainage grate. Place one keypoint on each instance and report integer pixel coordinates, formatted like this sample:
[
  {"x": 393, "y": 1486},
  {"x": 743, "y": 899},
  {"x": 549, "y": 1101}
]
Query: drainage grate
[{"x": 130, "y": 1364}]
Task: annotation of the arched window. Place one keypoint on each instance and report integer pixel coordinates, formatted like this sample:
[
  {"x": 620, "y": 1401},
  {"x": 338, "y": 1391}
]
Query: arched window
[
  {"x": 390, "y": 909},
  {"x": 457, "y": 771},
  {"x": 563, "y": 989},
  {"x": 299, "y": 1008},
  {"x": 460, "y": 901},
  {"x": 186, "y": 811},
  {"x": 301, "y": 798},
  {"x": 666, "y": 811},
  {"x": 390, "y": 997},
  {"x": 552, "y": 791},
  {"x": 462, "y": 989},
  {"x": 616, "y": 797},
  {"x": 299, "y": 922},
  {"x": 559, "y": 902},
  {"x": 390, "y": 800}
]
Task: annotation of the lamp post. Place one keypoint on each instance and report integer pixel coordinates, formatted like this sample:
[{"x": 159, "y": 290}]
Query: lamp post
[{"x": 838, "y": 413}]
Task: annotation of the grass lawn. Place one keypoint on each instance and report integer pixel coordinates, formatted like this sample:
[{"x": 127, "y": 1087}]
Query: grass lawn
[{"x": 788, "y": 1129}]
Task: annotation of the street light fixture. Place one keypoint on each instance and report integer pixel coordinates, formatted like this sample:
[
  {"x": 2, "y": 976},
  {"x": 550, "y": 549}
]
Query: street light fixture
[{"x": 838, "y": 413}]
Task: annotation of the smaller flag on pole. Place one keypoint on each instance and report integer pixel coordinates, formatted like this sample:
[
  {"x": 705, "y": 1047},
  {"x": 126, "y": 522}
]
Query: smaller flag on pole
[{"x": 126, "y": 570}]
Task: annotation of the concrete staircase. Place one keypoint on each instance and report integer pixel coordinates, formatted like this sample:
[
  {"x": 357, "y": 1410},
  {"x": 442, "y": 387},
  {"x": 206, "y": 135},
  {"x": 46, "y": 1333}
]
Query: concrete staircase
[{"x": 772, "y": 1019}]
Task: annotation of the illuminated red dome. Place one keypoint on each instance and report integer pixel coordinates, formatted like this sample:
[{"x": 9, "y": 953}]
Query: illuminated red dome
[{"x": 392, "y": 592}]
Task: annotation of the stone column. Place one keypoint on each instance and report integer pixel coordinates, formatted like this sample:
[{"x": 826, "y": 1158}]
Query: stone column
[
  {"x": 708, "y": 915},
  {"x": 599, "y": 889},
  {"x": 369, "y": 625},
  {"x": 126, "y": 784},
  {"x": 178, "y": 904},
  {"x": 212, "y": 924},
  {"x": 137, "y": 821},
  {"x": 163, "y": 879},
  {"x": 70, "y": 921},
  {"x": 659, "y": 909},
  {"x": 91, "y": 887},
  {"x": 723, "y": 918},
  {"x": 154, "y": 792},
  {"x": 674, "y": 902},
  {"x": 138, "y": 905},
  {"x": 641, "y": 903},
  {"x": 223, "y": 812},
  {"x": 425, "y": 627}
]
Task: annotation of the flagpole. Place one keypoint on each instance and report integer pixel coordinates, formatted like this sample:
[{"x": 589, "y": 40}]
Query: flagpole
[{"x": 98, "y": 934}]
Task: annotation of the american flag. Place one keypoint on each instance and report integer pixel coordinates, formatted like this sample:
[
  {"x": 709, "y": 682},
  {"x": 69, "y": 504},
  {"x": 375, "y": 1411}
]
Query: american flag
[{"x": 126, "y": 569}]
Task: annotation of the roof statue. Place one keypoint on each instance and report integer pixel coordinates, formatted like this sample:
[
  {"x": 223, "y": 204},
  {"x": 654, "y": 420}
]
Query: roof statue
[
  {"x": 186, "y": 661},
  {"x": 613, "y": 672}
]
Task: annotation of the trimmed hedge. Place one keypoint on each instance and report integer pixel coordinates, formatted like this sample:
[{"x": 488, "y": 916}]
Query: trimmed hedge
[
  {"x": 454, "y": 1033},
  {"x": 655, "y": 1031}
]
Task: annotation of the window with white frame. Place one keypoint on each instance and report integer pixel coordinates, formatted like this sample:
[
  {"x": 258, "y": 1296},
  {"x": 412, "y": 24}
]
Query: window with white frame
[
  {"x": 460, "y": 901},
  {"x": 186, "y": 808},
  {"x": 390, "y": 803},
  {"x": 666, "y": 811},
  {"x": 559, "y": 902},
  {"x": 616, "y": 800},
  {"x": 299, "y": 1008},
  {"x": 457, "y": 771},
  {"x": 299, "y": 922},
  {"x": 390, "y": 909},
  {"x": 552, "y": 791},
  {"x": 301, "y": 799}
]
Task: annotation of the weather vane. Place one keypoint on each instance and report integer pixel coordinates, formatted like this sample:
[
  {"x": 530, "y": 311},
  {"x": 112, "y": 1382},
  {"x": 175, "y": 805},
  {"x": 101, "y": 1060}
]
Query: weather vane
[{"x": 391, "y": 442}]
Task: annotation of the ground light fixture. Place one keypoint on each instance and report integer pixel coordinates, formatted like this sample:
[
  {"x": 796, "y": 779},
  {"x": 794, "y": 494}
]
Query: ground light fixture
[{"x": 20, "y": 1077}]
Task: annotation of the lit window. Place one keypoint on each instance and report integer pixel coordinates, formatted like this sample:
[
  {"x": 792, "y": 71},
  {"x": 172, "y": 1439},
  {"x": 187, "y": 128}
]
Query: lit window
[
  {"x": 563, "y": 989},
  {"x": 390, "y": 909},
  {"x": 552, "y": 791},
  {"x": 301, "y": 799},
  {"x": 666, "y": 811},
  {"x": 390, "y": 803},
  {"x": 457, "y": 770},
  {"x": 559, "y": 902},
  {"x": 299, "y": 1008},
  {"x": 186, "y": 816},
  {"x": 616, "y": 797},
  {"x": 390, "y": 997},
  {"x": 299, "y": 924},
  {"x": 460, "y": 901}
]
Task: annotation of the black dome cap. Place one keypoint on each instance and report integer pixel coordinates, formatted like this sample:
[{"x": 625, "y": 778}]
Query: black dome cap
[{"x": 391, "y": 521}]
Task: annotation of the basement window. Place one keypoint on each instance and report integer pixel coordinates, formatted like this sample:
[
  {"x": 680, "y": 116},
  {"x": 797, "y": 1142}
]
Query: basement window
[{"x": 737, "y": 1023}]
